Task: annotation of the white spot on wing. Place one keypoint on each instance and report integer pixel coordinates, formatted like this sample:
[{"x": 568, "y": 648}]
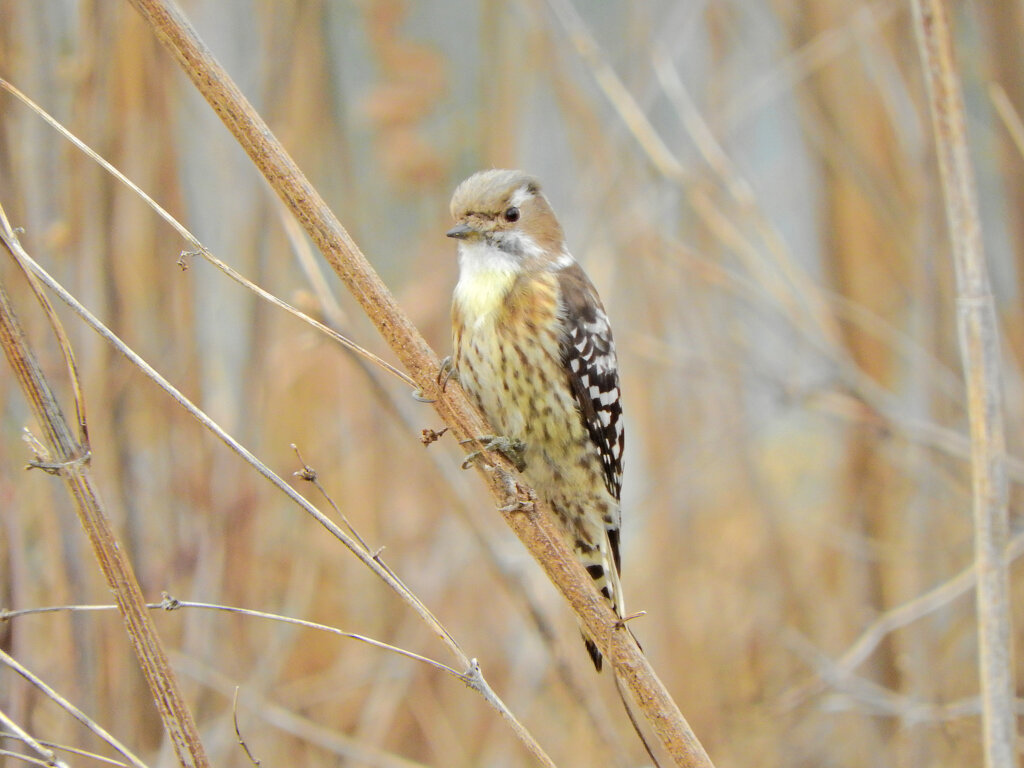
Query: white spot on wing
[{"x": 564, "y": 260}]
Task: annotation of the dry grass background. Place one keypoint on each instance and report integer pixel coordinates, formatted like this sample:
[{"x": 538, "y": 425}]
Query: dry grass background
[{"x": 785, "y": 314}]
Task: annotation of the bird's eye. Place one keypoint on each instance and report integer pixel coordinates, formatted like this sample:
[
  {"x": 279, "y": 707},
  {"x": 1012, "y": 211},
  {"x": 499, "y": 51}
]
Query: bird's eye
[{"x": 512, "y": 214}]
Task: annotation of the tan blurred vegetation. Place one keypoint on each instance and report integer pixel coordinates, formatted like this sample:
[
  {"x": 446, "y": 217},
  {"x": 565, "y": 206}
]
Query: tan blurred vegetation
[{"x": 773, "y": 253}]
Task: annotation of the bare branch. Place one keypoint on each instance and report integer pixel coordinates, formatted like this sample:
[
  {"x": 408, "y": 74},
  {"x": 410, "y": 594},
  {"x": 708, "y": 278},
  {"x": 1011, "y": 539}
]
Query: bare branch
[
  {"x": 67, "y": 748},
  {"x": 368, "y": 558},
  {"x": 67, "y": 456},
  {"x": 238, "y": 732},
  {"x": 70, "y": 708},
  {"x": 979, "y": 349},
  {"x": 49, "y": 758}
]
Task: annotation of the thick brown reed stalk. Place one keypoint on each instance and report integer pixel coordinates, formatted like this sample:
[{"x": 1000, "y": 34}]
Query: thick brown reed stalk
[
  {"x": 535, "y": 529},
  {"x": 979, "y": 349}
]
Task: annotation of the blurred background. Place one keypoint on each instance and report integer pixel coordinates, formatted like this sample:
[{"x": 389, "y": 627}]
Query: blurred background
[{"x": 752, "y": 187}]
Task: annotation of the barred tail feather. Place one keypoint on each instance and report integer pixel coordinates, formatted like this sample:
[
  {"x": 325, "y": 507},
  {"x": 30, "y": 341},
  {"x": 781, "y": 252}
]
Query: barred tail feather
[{"x": 602, "y": 563}]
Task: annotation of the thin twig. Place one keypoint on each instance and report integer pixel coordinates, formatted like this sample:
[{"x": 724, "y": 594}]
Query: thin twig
[
  {"x": 197, "y": 248},
  {"x": 979, "y": 349},
  {"x": 302, "y": 728},
  {"x": 471, "y": 677},
  {"x": 173, "y": 604},
  {"x": 312, "y": 477},
  {"x": 238, "y": 732},
  {"x": 72, "y": 750},
  {"x": 49, "y": 758},
  {"x": 1009, "y": 115},
  {"x": 896, "y": 618},
  {"x": 70, "y": 708},
  {"x": 25, "y": 758},
  {"x": 70, "y": 462}
]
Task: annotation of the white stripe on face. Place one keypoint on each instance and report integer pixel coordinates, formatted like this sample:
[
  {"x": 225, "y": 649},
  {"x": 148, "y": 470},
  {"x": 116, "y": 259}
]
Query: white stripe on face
[{"x": 520, "y": 196}]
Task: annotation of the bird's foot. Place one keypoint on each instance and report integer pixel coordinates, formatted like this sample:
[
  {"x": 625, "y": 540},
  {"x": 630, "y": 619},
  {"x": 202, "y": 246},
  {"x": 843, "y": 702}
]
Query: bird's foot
[
  {"x": 518, "y": 506},
  {"x": 512, "y": 449}
]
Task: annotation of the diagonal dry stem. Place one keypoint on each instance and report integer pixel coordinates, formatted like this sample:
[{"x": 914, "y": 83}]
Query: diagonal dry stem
[
  {"x": 68, "y": 458},
  {"x": 49, "y": 757},
  {"x": 197, "y": 249},
  {"x": 70, "y": 708},
  {"x": 472, "y": 676}
]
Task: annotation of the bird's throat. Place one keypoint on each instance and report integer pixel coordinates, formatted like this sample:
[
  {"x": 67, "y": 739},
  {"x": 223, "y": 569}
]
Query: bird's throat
[{"x": 486, "y": 275}]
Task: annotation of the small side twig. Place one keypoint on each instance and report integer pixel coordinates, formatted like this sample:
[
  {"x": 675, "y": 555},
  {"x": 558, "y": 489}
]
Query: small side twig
[
  {"x": 27, "y": 758},
  {"x": 309, "y": 732},
  {"x": 170, "y": 603},
  {"x": 311, "y": 476},
  {"x": 472, "y": 676},
  {"x": 238, "y": 732}
]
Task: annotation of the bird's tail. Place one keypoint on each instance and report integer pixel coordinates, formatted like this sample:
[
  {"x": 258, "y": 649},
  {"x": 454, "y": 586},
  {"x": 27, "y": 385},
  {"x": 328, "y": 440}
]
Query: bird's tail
[{"x": 602, "y": 563}]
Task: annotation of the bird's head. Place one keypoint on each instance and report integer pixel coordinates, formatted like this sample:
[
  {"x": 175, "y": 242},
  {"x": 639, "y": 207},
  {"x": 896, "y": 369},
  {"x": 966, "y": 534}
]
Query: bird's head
[{"x": 505, "y": 210}]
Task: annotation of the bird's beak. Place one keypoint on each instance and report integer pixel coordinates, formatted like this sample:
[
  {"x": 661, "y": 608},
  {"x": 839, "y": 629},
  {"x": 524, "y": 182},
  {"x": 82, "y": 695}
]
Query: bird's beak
[{"x": 460, "y": 231}]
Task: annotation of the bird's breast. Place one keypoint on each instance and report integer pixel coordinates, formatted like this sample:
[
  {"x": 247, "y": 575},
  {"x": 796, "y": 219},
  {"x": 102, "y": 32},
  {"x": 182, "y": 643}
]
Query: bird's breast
[
  {"x": 480, "y": 296},
  {"x": 507, "y": 353}
]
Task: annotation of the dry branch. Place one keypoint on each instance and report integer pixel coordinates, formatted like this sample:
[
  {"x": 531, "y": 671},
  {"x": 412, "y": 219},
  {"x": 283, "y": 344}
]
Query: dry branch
[
  {"x": 535, "y": 529},
  {"x": 68, "y": 458},
  {"x": 471, "y": 676},
  {"x": 71, "y": 709},
  {"x": 49, "y": 757},
  {"x": 979, "y": 349}
]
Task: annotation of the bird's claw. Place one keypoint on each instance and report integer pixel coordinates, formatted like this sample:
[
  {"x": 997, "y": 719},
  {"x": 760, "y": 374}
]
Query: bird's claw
[
  {"x": 510, "y": 448},
  {"x": 621, "y": 622},
  {"x": 446, "y": 372},
  {"x": 419, "y": 397}
]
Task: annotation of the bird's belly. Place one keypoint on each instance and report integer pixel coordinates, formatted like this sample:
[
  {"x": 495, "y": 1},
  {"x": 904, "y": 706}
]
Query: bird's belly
[{"x": 522, "y": 389}]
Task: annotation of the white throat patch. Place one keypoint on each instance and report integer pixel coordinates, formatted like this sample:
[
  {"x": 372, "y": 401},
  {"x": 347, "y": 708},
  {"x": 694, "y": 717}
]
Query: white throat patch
[
  {"x": 478, "y": 257},
  {"x": 486, "y": 275}
]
